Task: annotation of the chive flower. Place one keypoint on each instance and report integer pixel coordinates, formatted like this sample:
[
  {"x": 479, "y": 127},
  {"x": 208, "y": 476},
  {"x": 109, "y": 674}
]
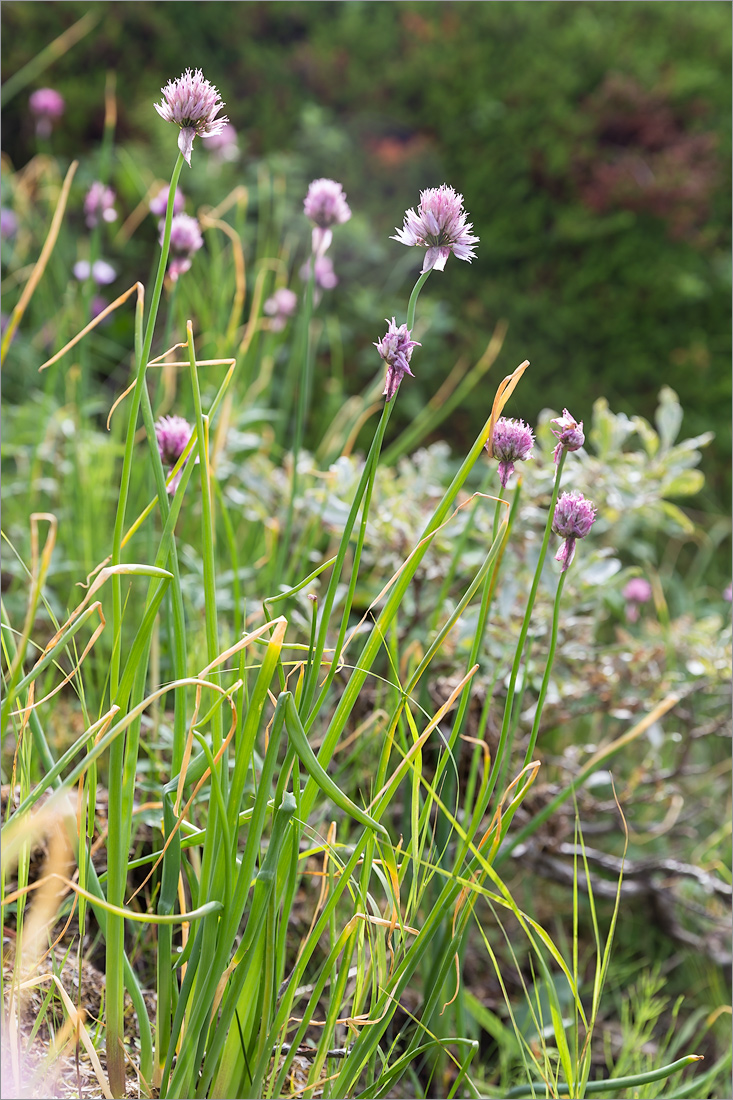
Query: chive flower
[
  {"x": 102, "y": 272},
  {"x": 172, "y": 434},
  {"x": 159, "y": 204},
  {"x": 185, "y": 240},
  {"x": 637, "y": 591},
  {"x": 573, "y": 519},
  {"x": 395, "y": 348},
  {"x": 325, "y": 205},
  {"x": 99, "y": 203},
  {"x": 47, "y": 105},
  {"x": 8, "y": 223},
  {"x": 512, "y": 442},
  {"x": 569, "y": 434},
  {"x": 324, "y": 275},
  {"x": 192, "y": 103},
  {"x": 441, "y": 226},
  {"x": 281, "y": 307}
]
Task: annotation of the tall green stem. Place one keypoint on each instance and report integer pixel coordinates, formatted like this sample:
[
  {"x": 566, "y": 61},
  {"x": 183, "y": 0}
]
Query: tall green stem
[
  {"x": 118, "y": 833},
  {"x": 504, "y": 749},
  {"x": 304, "y": 387}
]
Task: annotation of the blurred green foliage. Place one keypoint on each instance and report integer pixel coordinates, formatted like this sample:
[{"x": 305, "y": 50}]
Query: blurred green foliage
[{"x": 591, "y": 142}]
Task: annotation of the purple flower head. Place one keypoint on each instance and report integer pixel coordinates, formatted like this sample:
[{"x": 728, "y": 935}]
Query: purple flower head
[
  {"x": 439, "y": 225},
  {"x": 192, "y": 103},
  {"x": 223, "y": 144},
  {"x": 8, "y": 223},
  {"x": 638, "y": 590},
  {"x": 512, "y": 442},
  {"x": 172, "y": 434},
  {"x": 185, "y": 234},
  {"x": 635, "y": 592},
  {"x": 569, "y": 434},
  {"x": 102, "y": 272},
  {"x": 185, "y": 240},
  {"x": 47, "y": 105},
  {"x": 99, "y": 203},
  {"x": 325, "y": 277},
  {"x": 574, "y": 517},
  {"x": 325, "y": 205},
  {"x": 159, "y": 204},
  {"x": 281, "y": 306},
  {"x": 395, "y": 348}
]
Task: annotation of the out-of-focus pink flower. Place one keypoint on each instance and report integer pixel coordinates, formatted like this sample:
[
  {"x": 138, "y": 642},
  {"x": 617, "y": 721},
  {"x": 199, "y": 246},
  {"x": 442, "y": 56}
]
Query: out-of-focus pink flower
[
  {"x": 396, "y": 348},
  {"x": 325, "y": 277},
  {"x": 569, "y": 434},
  {"x": 172, "y": 434},
  {"x": 224, "y": 145},
  {"x": 441, "y": 226},
  {"x": 8, "y": 223},
  {"x": 325, "y": 205},
  {"x": 97, "y": 305},
  {"x": 185, "y": 240},
  {"x": 192, "y": 103},
  {"x": 637, "y": 591},
  {"x": 512, "y": 442},
  {"x": 46, "y": 105},
  {"x": 159, "y": 204},
  {"x": 99, "y": 203},
  {"x": 573, "y": 519},
  {"x": 185, "y": 234},
  {"x": 102, "y": 272},
  {"x": 281, "y": 307}
]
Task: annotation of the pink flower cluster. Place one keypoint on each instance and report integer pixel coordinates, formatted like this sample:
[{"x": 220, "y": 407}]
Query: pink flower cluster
[
  {"x": 47, "y": 105},
  {"x": 281, "y": 307},
  {"x": 185, "y": 240},
  {"x": 325, "y": 205},
  {"x": 172, "y": 434},
  {"x": 192, "y": 103},
  {"x": 159, "y": 203},
  {"x": 99, "y": 203},
  {"x": 569, "y": 434},
  {"x": 573, "y": 519},
  {"x": 395, "y": 348},
  {"x": 441, "y": 226},
  {"x": 512, "y": 442}
]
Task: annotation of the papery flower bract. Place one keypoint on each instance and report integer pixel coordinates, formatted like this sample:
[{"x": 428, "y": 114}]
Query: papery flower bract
[
  {"x": 573, "y": 519},
  {"x": 99, "y": 202},
  {"x": 172, "y": 434},
  {"x": 281, "y": 306},
  {"x": 569, "y": 434},
  {"x": 47, "y": 105},
  {"x": 159, "y": 204},
  {"x": 512, "y": 442},
  {"x": 223, "y": 144},
  {"x": 102, "y": 272},
  {"x": 638, "y": 590},
  {"x": 325, "y": 205},
  {"x": 395, "y": 348},
  {"x": 8, "y": 223},
  {"x": 441, "y": 226},
  {"x": 192, "y": 103}
]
